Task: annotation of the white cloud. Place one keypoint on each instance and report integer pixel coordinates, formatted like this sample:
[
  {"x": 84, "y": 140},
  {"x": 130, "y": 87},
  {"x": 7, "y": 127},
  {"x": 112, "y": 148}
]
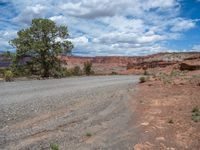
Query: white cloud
[
  {"x": 5, "y": 37},
  {"x": 79, "y": 41},
  {"x": 99, "y": 8},
  {"x": 182, "y": 25},
  {"x": 196, "y": 47},
  {"x": 31, "y": 12},
  {"x": 110, "y": 26}
]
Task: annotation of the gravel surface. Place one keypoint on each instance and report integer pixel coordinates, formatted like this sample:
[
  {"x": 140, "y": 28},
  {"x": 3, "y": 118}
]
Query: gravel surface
[{"x": 80, "y": 113}]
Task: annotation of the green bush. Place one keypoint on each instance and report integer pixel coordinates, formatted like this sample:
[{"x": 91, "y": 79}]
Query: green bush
[
  {"x": 146, "y": 73},
  {"x": 88, "y": 68},
  {"x": 88, "y": 134},
  {"x": 64, "y": 72},
  {"x": 196, "y": 114},
  {"x": 8, "y": 75},
  {"x": 170, "y": 121},
  {"x": 142, "y": 79},
  {"x": 19, "y": 70},
  {"x": 54, "y": 147},
  {"x": 77, "y": 71},
  {"x": 69, "y": 73},
  {"x": 114, "y": 73},
  {"x": 2, "y": 70}
]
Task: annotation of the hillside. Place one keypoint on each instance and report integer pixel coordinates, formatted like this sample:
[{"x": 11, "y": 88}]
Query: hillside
[
  {"x": 124, "y": 65},
  {"x": 130, "y": 65}
]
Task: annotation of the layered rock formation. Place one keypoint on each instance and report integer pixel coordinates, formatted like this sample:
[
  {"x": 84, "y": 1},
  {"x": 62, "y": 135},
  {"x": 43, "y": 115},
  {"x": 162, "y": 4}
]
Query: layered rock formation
[{"x": 133, "y": 65}]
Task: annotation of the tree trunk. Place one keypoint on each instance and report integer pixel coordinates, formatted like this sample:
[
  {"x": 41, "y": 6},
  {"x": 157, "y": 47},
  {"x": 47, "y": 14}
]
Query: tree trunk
[{"x": 45, "y": 66}]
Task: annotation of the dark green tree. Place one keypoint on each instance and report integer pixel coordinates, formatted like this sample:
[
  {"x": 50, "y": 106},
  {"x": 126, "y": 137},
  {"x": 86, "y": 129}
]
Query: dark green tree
[{"x": 43, "y": 42}]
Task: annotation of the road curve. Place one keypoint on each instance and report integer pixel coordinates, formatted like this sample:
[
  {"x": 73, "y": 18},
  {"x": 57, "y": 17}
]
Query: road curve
[{"x": 80, "y": 113}]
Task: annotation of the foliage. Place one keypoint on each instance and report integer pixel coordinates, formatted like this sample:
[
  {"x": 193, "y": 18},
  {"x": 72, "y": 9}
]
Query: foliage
[
  {"x": 68, "y": 72},
  {"x": 8, "y": 75},
  {"x": 19, "y": 70},
  {"x": 54, "y": 147},
  {"x": 39, "y": 46},
  {"x": 77, "y": 71},
  {"x": 142, "y": 79},
  {"x": 177, "y": 73},
  {"x": 114, "y": 73},
  {"x": 146, "y": 73},
  {"x": 2, "y": 70},
  {"x": 88, "y": 134},
  {"x": 64, "y": 72},
  {"x": 170, "y": 121},
  {"x": 165, "y": 78},
  {"x": 88, "y": 68},
  {"x": 196, "y": 114}
]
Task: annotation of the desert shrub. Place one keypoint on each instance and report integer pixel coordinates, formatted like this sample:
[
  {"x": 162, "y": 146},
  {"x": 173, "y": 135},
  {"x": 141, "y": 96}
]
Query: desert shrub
[
  {"x": 77, "y": 71},
  {"x": 175, "y": 73},
  {"x": 58, "y": 73},
  {"x": 142, "y": 79},
  {"x": 54, "y": 147},
  {"x": 146, "y": 73},
  {"x": 165, "y": 78},
  {"x": 196, "y": 114},
  {"x": 88, "y": 68},
  {"x": 114, "y": 73},
  {"x": 2, "y": 70},
  {"x": 170, "y": 121},
  {"x": 167, "y": 81},
  {"x": 68, "y": 73},
  {"x": 195, "y": 109},
  {"x": 8, "y": 75},
  {"x": 88, "y": 134},
  {"x": 19, "y": 70},
  {"x": 196, "y": 76}
]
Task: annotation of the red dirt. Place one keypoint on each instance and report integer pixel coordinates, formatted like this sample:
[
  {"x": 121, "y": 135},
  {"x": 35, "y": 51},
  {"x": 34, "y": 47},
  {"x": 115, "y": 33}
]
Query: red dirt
[
  {"x": 165, "y": 112},
  {"x": 165, "y": 102}
]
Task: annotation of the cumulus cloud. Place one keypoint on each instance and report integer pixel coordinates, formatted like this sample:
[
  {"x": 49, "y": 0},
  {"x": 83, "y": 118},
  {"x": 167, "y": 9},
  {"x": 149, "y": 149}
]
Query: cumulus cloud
[
  {"x": 99, "y": 8},
  {"x": 196, "y": 47},
  {"x": 110, "y": 27},
  {"x": 30, "y": 12},
  {"x": 182, "y": 24},
  {"x": 5, "y": 37},
  {"x": 79, "y": 41}
]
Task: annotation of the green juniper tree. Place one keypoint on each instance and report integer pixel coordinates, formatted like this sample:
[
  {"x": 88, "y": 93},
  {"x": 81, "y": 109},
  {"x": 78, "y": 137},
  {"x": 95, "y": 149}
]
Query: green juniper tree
[{"x": 42, "y": 42}]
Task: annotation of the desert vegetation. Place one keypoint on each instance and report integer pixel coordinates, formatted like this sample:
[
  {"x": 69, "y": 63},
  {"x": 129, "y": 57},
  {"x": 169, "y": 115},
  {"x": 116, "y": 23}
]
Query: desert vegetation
[
  {"x": 54, "y": 147},
  {"x": 88, "y": 68},
  {"x": 40, "y": 46},
  {"x": 196, "y": 114},
  {"x": 38, "y": 53},
  {"x": 142, "y": 79},
  {"x": 100, "y": 75},
  {"x": 8, "y": 75}
]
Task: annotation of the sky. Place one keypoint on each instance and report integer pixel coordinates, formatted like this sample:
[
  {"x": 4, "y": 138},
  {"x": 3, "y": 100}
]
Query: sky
[{"x": 110, "y": 27}]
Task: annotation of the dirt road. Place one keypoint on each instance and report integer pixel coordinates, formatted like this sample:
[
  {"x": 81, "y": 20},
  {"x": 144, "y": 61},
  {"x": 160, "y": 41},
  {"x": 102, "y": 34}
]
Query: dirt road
[{"x": 81, "y": 113}]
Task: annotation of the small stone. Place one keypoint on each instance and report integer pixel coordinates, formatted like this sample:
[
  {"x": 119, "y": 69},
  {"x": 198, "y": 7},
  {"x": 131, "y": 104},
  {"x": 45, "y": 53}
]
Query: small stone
[
  {"x": 145, "y": 124},
  {"x": 160, "y": 139},
  {"x": 171, "y": 148}
]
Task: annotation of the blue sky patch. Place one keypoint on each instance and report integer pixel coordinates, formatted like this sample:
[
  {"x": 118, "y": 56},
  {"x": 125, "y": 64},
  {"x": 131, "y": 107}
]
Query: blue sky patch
[{"x": 127, "y": 28}]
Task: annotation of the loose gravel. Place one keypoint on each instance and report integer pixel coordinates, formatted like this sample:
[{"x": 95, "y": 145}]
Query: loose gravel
[{"x": 34, "y": 114}]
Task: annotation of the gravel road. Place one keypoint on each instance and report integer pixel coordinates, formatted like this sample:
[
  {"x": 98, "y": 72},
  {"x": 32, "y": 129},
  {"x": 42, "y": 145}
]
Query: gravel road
[{"x": 80, "y": 113}]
